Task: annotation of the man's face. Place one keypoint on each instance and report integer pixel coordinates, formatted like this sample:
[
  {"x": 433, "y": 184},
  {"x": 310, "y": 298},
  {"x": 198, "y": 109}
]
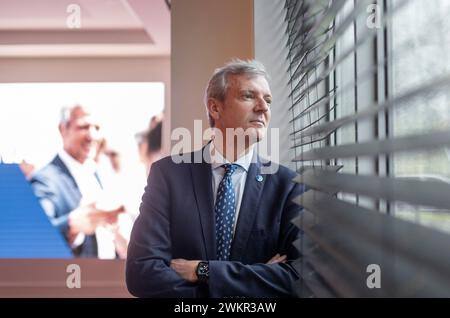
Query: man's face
[
  {"x": 246, "y": 105},
  {"x": 81, "y": 136}
]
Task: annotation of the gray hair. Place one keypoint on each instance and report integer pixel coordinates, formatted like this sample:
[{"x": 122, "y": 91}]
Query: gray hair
[
  {"x": 218, "y": 84},
  {"x": 66, "y": 114}
]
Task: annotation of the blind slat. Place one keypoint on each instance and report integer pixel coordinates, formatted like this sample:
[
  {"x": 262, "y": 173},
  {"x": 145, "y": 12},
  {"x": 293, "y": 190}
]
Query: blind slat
[
  {"x": 322, "y": 25},
  {"x": 374, "y": 148},
  {"x": 318, "y": 120},
  {"x": 398, "y": 101},
  {"x": 426, "y": 193},
  {"x": 372, "y": 229},
  {"x": 371, "y": 225},
  {"x": 328, "y": 168},
  {"x": 339, "y": 238},
  {"x": 321, "y": 101},
  {"x": 330, "y": 43},
  {"x": 310, "y": 283},
  {"x": 326, "y": 265}
]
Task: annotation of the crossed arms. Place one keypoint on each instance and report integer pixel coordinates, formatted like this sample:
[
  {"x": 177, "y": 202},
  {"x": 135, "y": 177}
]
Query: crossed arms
[{"x": 153, "y": 272}]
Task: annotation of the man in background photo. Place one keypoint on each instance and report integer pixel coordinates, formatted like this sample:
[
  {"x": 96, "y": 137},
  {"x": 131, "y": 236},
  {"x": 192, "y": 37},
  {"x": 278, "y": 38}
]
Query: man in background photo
[{"x": 70, "y": 189}]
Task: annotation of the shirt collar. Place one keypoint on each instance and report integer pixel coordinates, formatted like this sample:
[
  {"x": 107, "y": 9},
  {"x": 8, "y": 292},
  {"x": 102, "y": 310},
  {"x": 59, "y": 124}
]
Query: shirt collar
[
  {"x": 217, "y": 159},
  {"x": 75, "y": 166}
]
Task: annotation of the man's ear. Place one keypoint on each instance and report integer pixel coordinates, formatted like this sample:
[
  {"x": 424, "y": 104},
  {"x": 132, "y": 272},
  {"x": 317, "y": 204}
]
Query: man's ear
[
  {"x": 214, "y": 108},
  {"x": 62, "y": 129}
]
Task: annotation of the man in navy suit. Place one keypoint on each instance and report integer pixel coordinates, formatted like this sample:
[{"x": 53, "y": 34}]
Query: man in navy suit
[
  {"x": 68, "y": 185},
  {"x": 219, "y": 226}
]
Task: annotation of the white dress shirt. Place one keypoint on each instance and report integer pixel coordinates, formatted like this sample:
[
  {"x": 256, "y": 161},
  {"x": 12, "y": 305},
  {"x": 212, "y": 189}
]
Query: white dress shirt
[
  {"x": 238, "y": 178},
  {"x": 91, "y": 192}
]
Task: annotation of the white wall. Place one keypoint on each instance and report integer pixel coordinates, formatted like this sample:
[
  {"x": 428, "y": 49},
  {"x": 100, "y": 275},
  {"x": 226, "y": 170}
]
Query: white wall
[
  {"x": 270, "y": 49},
  {"x": 205, "y": 35}
]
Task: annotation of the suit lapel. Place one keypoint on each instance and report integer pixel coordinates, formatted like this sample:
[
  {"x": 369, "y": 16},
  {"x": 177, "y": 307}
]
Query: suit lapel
[
  {"x": 60, "y": 164},
  {"x": 202, "y": 180},
  {"x": 70, "y": 184},
  {"x": 248, "y": 210}
]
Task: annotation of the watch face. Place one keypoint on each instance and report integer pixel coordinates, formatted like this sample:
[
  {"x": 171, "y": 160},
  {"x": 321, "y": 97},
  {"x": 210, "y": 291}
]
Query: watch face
[{"x": 203, "y": 269}]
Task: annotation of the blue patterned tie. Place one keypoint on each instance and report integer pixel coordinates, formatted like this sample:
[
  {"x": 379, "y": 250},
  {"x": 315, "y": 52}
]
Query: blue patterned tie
[{"x": 225, "y": 210}]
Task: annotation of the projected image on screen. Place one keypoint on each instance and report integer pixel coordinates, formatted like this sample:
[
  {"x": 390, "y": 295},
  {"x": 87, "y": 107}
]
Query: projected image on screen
[{"x": 74, "y": 158}]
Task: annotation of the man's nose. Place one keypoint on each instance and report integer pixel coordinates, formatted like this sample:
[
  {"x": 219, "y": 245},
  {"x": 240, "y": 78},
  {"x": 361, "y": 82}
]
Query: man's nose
[
  {"x": 93, "y": 133},
  {"x": 262, "y": 105}
]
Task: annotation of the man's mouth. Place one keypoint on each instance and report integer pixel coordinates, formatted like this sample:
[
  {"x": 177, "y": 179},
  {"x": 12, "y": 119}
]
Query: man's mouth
[
  {"x": 88, "y": 147},
  {"x": 258, "y": 122}
]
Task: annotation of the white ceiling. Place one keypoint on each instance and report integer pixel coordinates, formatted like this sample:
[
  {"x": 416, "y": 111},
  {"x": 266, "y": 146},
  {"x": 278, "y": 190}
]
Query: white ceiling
[{"x": 108, "y": 28}]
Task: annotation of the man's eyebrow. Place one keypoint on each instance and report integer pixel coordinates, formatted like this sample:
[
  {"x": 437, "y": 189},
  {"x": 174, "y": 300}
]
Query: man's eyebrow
[{"x": 250, "y": 90}]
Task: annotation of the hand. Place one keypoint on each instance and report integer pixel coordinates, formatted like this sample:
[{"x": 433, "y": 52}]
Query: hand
[
  {"x": 87, "y": 218},
  {"x": 120, "y": 242},
  {"x": 186, "y": 269},
  {"x": 277, "y": 259}
]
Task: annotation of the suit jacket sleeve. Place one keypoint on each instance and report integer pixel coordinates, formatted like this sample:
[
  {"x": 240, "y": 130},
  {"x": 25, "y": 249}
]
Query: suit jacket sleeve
[
  {"x": 148, "y": 272},
  {"x": 235, "y": 279},
  {"x": 47, "y": 195}
]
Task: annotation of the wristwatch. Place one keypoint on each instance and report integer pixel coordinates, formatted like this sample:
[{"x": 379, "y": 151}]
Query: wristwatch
[{"x": 203, "y": 271}]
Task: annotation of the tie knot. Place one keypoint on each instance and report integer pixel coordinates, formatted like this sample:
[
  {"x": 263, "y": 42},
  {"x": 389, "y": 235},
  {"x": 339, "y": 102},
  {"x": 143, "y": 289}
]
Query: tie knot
[{"x": 229, "y": 168}]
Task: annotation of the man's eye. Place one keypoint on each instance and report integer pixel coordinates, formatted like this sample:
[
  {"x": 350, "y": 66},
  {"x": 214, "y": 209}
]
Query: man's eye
[{"x": 269, "y": 101}]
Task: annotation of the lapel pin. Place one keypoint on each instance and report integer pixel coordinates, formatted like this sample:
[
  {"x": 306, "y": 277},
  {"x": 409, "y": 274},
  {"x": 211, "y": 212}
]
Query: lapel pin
[{"x": 259, "y": 178}]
